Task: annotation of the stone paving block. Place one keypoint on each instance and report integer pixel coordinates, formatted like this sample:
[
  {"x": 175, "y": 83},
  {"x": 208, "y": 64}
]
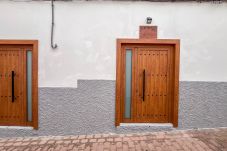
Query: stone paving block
[
  {"x": 67, "y": 142},
  {"x": 192, "y": 140},
  {"x": 119, "y": 144},
  {"x": 74, "y": 137},
  {"x": 92, "y": 140},
  {"x": 105, "y": 135},
  {"x": 17, "y": 144},
  {"x": 9, "y": 144},
  {"x": 89, "y": 136},
  {"x": 81, "y": 136},
  {"x": 100, "y": 146},
  {"x": 119, "y": 139},
  {"x": 59, "y": 141},
  {"x": 98, "y": 136},
  {"x": 107, "y": 145},
  {"x": 42, "y": 142},
  {"x": 84, "y": 141},
  {"x": 101, "y": 140},
  {"x": 51, "y": 142},
  {"x": 109, "y": 139}
]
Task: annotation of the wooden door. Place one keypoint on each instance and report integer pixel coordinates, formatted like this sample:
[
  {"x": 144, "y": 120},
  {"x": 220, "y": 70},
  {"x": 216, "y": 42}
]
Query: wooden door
[
  {"x": 12, "y": 86},
  {"x": 147, "y": 81},
  {"x": 152, "y": 84},
  {"x": 19, "y": 83}
]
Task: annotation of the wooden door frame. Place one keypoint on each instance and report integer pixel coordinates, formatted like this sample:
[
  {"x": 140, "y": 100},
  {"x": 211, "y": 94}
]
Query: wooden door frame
[
  {"x": 34, "y": 50},
  {"x": 176, "y": 43}
]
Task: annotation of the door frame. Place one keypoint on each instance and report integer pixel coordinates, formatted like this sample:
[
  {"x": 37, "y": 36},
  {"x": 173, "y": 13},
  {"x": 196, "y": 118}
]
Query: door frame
[
  {"x": 34, "y": 44},
  {"x": 119, "y": 89}
]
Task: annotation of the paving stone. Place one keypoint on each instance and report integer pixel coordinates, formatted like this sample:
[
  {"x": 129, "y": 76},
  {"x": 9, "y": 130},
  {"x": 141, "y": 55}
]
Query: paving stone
[
  {"x": 74, "y": 137},
  {"x": 98, "y": 136},
  {"x": 109, "y": 139},
  {"x": 89, "y": 136},
  {"x": 107, "y": 145},
  {"x": 119, "y": 139},
  {"x": 100, "y": 146},
  {"x": 105, "y": 135},
  {"x": 69, "y": 147},
  {"x": 60, "y": 141},
  {"x": 34, "y": 143},
  {"x": 81, "y": 136},
  {"x": 42, "y": 142},
  {"x": 191, "y": 140},
  {"x": 8, "y": 144},
  {"x": 67, "y": 141},
  {"x": 101, "y": 140},
  {"x": 92, "y": 140},
  {"x": 84, "y": 141},
  {"x": 17, "y": 144},
  {"x": 75, "y": 141},
  {"x": 119, "y": 144}
]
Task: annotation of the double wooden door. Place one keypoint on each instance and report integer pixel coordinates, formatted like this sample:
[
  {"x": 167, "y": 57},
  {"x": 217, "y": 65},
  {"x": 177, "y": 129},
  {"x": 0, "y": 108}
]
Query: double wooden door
[
  {"x": 148, "y": 92},
  {"x": 13, "y": 86}
]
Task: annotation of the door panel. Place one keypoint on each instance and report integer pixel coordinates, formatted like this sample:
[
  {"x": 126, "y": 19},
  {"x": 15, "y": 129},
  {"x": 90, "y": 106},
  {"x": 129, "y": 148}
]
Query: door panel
[
  {"x": 161, "y": 97},
  {"x": 152, "y": 81},
  {"x": 12, "y": 112}
]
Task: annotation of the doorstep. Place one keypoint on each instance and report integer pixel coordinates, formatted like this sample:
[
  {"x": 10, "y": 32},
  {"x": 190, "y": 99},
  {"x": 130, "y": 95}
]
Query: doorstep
[
  {"x": 166, "y": 125},
  {"x": 17, "y": 127}
]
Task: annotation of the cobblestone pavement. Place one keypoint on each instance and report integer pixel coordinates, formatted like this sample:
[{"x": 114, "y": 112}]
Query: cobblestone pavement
[{"x": 195, "y": 140}]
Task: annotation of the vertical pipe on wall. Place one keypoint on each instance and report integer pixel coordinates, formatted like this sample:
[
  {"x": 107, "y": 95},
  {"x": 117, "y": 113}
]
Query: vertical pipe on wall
[{"x": 54, "y": 46}]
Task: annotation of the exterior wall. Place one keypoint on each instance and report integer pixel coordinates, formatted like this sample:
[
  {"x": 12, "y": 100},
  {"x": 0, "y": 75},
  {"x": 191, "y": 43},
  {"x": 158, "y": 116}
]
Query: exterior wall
[
  {"x": 90, "y": 109},
  {"x": 86, "y": 33}
]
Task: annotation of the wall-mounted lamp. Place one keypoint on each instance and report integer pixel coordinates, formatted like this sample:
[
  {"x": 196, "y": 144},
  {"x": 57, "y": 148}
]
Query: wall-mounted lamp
[{"x": 149, "y": 20}]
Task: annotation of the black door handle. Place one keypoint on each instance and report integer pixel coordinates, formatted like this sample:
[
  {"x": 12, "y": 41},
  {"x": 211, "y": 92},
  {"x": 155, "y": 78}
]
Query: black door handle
[
  {"x": 144, "y": 81},
  {"x": 13, "y": 74}
]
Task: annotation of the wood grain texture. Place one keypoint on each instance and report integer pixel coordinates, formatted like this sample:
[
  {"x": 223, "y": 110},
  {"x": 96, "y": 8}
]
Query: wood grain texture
[
  {"x": 160, "y": 59},
  {"x": 176, "y": 83},
  {"x": 13, "y": 58},
  {"x": 118, "y": 85},
  {"x": 12, "y": 111}
]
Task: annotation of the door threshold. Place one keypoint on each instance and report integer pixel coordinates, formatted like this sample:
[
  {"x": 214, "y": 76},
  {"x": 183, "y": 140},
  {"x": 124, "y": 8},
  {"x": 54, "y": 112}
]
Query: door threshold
[
  {"x": 17, "y": 127},
  {"x": 146, "y": 124}
]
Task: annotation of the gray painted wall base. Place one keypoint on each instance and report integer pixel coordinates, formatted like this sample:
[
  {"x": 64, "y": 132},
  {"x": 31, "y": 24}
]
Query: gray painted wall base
[{"x": 90, "y": 109}]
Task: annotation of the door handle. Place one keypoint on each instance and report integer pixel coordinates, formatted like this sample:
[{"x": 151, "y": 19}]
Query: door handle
[
  {"x": 13, "y": 74},
  {"x": 144, "y": 82}
]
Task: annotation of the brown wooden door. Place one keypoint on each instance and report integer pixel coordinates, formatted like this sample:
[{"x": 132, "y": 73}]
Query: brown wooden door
[
  {"x": 147, "y": 81},
  {"x": 152, "y": 82},
  {"x": 12, "y": 110}
]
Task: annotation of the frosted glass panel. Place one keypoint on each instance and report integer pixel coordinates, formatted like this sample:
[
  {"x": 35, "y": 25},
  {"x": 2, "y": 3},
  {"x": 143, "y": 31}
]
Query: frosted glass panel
[
  {"x": 128, "y": 74},
  {"x": 29, "y": 85}
]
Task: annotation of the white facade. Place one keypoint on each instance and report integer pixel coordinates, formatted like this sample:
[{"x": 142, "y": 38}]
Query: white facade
[{"x": 86, "y": 34}]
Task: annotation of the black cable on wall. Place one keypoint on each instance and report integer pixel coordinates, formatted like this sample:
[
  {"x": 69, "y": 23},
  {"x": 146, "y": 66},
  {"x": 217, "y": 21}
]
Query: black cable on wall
[{"x": 54, "y": 46}]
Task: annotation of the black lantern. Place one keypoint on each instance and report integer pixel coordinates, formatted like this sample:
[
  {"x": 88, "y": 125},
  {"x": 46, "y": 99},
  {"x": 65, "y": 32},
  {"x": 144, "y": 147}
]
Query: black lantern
[{"x": 149, "y": 20}]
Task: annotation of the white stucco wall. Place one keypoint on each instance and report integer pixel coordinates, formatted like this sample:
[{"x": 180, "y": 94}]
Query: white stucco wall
[{"x": 86, "y": 34}]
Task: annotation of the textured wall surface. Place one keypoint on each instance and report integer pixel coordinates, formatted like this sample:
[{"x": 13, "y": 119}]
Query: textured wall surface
[
  {"x": 86, "y": 33},
  {"x": 90, "y": 109},
  {"x": 203, "y": 104}
]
